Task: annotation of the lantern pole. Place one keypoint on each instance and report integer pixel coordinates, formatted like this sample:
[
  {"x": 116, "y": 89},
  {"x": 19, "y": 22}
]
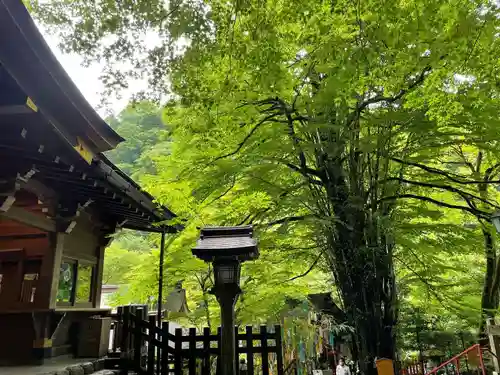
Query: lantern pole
[
  {"x": 227, "y": 298},
  {"x": 160, "y": 278},
  {"x": 227, "y": 294}
]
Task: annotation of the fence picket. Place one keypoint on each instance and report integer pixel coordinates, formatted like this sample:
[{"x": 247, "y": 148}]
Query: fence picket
[
  {"x": 164, "y": 348},
  {"x": 118, "y": 328},
  {"x": 249, "y": 340},
  {"x": 219, "y": 346},
  {"x": 205, "y": 367},
  {"x": 137, "y": 337},
  {"x": 237, "y": 349},
  {"x": 178, "y": 352},
  {"x": 151, "y": 346},
  {"x": 192, "y": 351},
  {"x": 124, "y": 345},
  {"x": 279, "y": 349},
  {"x": 135, "y": 329},
  {"x": 265, "y": 352}
]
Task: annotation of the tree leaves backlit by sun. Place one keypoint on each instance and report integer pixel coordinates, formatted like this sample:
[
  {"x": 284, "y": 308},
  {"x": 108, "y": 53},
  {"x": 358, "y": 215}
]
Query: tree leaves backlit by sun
[{"x": 360, "y": 138}]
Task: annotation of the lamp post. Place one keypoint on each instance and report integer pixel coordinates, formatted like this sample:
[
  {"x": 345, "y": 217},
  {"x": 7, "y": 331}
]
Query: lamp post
[{"x": 226, "y": 248}]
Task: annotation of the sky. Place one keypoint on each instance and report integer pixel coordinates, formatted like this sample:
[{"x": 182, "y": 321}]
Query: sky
[{"x": 86, "y": 78}]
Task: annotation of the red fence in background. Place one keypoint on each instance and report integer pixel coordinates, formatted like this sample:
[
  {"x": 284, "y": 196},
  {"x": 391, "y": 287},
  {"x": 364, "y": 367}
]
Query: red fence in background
[
  {"x": 469, "y": 361},
  {"x": 415, "y": 368}
]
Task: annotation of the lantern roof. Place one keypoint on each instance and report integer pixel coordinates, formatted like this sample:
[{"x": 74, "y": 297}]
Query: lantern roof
[{"x": 226, "y": 243}]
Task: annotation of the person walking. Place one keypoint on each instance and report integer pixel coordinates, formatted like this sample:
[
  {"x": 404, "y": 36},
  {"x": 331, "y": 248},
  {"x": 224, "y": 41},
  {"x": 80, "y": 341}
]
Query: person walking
[
  {"x": 243, "y": 367},
  {"x": 342, "y": 368}
]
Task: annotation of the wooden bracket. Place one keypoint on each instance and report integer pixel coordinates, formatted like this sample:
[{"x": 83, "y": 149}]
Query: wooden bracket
[
  {"x": 6, "y": 202},
  {"x": 106, "y": 240},
  {"x": 26, "y": 177},
  {"x": 122, "y": 223},
  {"x": 8, "y": 196},
  {"x": 68, "y": 222}
]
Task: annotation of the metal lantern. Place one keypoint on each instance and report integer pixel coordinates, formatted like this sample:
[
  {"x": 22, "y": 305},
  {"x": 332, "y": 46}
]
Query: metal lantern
[{"x": 226, "y": 248}]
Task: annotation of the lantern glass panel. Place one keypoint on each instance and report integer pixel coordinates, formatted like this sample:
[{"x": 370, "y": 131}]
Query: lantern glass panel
[{"x": 227, "y": 273}]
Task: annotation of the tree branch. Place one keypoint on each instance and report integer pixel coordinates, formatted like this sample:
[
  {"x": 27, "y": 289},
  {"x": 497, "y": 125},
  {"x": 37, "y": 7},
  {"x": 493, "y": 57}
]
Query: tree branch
[
  {"x": 308, "y": 270},
  {"x": 467, "y": 196},
  {"x": 431, "y": 288},
  {"x": 490, "y": 172},
  {"x": 280, "y": 107},
  {"x": 474, "y": 211},
  {"x": 306, "y": 172},
  {"x": 244, "y": 220},
  {"x": 451, "y": 176},
  {"x": 224, "y": 193},
  {"x": 391, "y": 99},
  {"x": 287, "y": 219},
  {"x": 247, "y": 137}
]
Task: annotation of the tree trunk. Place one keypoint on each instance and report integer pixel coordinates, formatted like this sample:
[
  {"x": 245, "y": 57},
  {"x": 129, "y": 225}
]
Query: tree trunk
[
  {"x": 359, "y": 247},
  {"x": 361, "y": 261},
  {"x": 489, "y": 299},
  {"x": 372, "y": 315}
]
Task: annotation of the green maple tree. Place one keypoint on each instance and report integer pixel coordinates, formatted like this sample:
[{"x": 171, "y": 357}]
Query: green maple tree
[{"x": 324, "y": 124}]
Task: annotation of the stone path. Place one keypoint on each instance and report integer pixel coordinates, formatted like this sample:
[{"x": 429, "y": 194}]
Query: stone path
[{"x": 61, "y": 366}]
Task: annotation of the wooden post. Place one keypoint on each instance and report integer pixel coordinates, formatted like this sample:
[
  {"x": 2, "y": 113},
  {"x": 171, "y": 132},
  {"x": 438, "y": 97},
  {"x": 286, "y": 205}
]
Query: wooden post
[
  {"x": 151, "y": 345},
  {"x": 205, "y": 367},
  {"x": 137, "y": 337},
  {"x": 279, "y": 349},
  {"x": 46, "y": 294},
  {"x": 125, "y": 334},
  {"x": 237, "y": 349},
  {"x": 219, "y": 351},
  {"x": 118, "y": 331},
  {"x": 164, "y": 349},
  {"x": 160, "y": 276},
  {"x": 97, "y": 277},
  {"x": 249, "y": 340},
  {"x": 178, "y": 352},
  {"x": 265, "y": 352},
  {"x": 192, "y": 351}
]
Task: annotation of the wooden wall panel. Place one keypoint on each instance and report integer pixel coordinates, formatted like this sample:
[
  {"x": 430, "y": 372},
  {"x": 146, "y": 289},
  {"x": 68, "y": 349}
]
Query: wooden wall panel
[
  {"x": 10, "y": 227},
  {"x": 83, "y": 241},
  {"x": 34, "y": 247}
]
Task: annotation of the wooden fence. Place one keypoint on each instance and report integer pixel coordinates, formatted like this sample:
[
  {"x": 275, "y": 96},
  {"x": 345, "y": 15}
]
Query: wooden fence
[{"x": 147, "y": 348}]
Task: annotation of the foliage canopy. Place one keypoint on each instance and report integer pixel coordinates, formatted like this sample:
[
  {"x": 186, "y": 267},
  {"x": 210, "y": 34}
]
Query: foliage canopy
[{"x": 359, "y": 137}]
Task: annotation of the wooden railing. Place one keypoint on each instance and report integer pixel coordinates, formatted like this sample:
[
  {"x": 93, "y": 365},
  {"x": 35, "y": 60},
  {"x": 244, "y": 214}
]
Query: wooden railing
[{"x": 148, "y": 348}]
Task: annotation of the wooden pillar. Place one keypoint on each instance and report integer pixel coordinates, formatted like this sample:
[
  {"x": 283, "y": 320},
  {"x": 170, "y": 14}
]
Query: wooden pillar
[
  {"x": 42, "y": 341},
  {"x": 97, "y": 277},
  {"x": 160, "y": 280},
  {"x": 49, "y": 273}
]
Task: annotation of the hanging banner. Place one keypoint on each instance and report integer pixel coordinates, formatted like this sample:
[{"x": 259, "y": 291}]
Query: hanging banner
[{"x": 176, "y": 301}]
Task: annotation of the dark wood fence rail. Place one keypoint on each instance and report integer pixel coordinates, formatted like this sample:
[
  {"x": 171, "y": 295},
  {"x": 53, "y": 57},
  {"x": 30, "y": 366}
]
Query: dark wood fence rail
[{"x": 147, "y": 348}]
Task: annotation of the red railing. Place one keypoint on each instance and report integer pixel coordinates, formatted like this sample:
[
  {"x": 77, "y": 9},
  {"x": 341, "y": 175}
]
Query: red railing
[
  {"x": 415, "y": 368},
  {"x": 455, "y": 361}
]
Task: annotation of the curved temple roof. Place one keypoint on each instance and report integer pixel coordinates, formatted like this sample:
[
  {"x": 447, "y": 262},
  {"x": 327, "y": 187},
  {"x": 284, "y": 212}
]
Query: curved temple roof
[{"x": 55, "y": 131}]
